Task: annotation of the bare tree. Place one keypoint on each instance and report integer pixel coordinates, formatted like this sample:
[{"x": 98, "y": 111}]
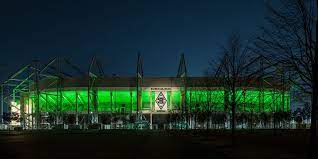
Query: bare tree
[
  {"x": 209, "y": 106},
  {"x": 235, "y": 70},
  {"x": 289, "y": 37}
]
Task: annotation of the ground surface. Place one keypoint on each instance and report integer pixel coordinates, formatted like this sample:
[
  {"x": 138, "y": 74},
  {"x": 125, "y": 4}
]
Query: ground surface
[
  {"x": 102, "y": 145},
  {"x": 151, "y": 144}
]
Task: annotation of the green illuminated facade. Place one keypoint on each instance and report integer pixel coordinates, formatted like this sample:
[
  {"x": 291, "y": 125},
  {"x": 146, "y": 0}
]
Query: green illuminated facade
[
  {"x": 112, "y": 100},
  {"x": 160, "y": 99}
]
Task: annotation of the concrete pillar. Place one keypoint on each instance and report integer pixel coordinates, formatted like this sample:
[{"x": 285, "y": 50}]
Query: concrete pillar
[
  {"x": 151, "y": 120},
  {"x": 95, "y": 112},
  {"x": 22, "y": 106}
]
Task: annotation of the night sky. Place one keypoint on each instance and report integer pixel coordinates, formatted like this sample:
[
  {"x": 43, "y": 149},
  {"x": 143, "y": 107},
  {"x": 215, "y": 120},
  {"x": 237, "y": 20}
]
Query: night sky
[{"x": 117, "y": 30}]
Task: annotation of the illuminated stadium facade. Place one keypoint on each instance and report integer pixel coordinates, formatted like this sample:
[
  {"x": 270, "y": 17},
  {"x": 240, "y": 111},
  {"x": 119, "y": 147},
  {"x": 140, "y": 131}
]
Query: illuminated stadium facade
[{"x": 137, "y": 102}]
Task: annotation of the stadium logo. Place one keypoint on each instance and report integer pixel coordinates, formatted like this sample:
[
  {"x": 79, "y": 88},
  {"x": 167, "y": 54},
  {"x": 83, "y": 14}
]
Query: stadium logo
[{"x": 161, "y": 100}]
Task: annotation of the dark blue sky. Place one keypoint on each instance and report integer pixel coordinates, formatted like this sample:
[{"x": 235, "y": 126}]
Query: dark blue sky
[{"x": 117, "y": 30}]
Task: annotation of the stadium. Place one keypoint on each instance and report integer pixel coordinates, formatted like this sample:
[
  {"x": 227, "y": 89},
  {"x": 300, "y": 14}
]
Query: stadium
[{"x": 46, "y": 100}]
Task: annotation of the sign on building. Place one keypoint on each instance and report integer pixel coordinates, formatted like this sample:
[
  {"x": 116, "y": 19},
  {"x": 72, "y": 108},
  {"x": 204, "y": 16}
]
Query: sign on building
[{"x": 161, "y": 101}]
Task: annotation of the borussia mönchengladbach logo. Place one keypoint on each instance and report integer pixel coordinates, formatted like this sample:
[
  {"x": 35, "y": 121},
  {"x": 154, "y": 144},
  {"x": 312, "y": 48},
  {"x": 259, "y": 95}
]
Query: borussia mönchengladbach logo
[{"x": 161, "y": 100}]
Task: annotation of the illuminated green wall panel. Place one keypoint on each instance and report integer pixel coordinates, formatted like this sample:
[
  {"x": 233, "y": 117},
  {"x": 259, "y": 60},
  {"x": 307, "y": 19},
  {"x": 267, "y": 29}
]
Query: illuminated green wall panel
[
  {"x": 120, "y": 99},
  {"x": 104, "y": 101},
  {"x": 176, "y": 99},
  {"x": 145, "y": 98},
  {"x": 205, "y": 99}
]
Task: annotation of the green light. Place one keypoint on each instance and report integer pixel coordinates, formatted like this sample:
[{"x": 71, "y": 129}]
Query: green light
[
  {"x": 175, "y": 99},
  {"x": 146, "y": 98},
  {"x": 125, "y": 100}
]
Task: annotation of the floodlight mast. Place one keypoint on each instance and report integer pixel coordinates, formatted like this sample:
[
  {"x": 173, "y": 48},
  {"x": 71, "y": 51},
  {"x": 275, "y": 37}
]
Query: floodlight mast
[
  {"x": 139, "y": 79},
  {"x": 37, "y": 95},
  {"x": 93, "y": 75},
  {"x": 182, "y": 74}
]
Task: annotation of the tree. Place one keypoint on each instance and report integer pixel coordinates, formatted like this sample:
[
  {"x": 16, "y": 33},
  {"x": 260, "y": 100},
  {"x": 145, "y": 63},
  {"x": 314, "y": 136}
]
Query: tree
[
  {"x": 289, "y": 37},
  {"x": 209, "y": 106},
  {"x": 236, "y": 70}
]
